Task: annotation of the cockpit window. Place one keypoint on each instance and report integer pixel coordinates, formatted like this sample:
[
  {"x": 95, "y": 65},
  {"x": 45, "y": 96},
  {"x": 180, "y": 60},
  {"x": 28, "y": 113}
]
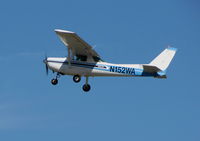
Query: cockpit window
[
  {"x": 96, "y": 58},
  {"x": 81, "y": 58},
  {"x": 84, "y": 58}
]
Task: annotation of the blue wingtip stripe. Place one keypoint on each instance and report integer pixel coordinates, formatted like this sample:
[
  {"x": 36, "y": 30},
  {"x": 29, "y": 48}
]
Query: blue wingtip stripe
[{"x": 171, "y": 48}]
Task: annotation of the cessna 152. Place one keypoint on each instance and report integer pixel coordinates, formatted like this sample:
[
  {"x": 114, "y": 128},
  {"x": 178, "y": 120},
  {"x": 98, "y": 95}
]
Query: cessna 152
[{"x": 83, "y": 60}]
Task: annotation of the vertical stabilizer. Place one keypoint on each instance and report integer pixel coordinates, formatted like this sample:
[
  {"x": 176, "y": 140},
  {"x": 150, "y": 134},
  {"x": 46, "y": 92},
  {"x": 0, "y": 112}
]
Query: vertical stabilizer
[{"x": 163, "y": 60}]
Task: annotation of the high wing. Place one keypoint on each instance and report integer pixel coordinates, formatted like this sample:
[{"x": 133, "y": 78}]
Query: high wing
[{"x": 77, "y": 45}]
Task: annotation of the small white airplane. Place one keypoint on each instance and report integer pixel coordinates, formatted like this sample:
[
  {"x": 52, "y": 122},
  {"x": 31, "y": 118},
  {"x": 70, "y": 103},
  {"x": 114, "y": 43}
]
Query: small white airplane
[{"x": 83, "y": 60}]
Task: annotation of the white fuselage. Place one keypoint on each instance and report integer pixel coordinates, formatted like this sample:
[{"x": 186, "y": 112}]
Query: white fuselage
[{"x": 82, "y": 68}]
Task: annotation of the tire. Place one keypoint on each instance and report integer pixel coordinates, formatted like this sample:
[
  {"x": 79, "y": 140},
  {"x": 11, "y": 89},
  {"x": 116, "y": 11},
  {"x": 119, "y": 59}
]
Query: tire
[
  {"x": 54, "y": 81},
  {"x": 86, "y": 87},
  {"x": 76, "y": 78}
]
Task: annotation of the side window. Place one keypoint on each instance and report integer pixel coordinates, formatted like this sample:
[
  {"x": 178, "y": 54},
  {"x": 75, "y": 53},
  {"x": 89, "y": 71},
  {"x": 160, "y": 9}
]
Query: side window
[
  {"x": 81, "y": 58},
  {"x": 96, "y": 58}
]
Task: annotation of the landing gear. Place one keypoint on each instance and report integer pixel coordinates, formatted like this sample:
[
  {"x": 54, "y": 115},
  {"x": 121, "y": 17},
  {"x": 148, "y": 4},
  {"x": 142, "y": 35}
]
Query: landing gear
[
  {"x": 54, "y": 81},
  {"x": 86, "y": 87},
  {"x": 76, "y": 78}
]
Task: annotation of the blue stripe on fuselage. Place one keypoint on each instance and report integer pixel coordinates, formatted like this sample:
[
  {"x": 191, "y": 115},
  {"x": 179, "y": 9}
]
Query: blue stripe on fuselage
[{"x": 108, "y": 68}]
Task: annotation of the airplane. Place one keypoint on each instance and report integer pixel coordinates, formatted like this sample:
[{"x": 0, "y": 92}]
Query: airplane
[{"x": 84, "y": 61}]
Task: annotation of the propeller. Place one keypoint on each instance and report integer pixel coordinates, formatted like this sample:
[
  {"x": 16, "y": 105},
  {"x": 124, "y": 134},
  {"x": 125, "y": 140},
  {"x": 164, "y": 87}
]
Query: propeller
[{"x": 45, "y": 61}]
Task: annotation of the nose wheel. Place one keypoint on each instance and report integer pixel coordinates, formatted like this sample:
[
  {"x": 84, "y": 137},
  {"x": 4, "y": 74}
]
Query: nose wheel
[{"x": 54, "y": 81}]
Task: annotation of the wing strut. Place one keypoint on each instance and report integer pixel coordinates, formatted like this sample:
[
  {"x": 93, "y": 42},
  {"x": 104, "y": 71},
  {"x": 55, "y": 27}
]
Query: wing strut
[{"x": 69, "y": 56}]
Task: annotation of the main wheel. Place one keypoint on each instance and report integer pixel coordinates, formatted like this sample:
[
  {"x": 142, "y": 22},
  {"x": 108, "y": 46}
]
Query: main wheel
[
  {"x": 86, "y": 87},
  {"x": 54, "y": 81},
  {"x": 77, "y": 78}
]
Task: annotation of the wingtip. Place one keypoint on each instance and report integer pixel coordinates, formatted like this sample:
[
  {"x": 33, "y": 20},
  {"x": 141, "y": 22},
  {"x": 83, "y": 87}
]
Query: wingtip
[
  {"x": 172, "y": 48},
  {"x": 62, "y": 31}
]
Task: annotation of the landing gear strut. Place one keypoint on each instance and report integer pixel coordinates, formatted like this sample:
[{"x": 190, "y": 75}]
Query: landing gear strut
[
  {"x": 76, "y": 78},
  {"x": 54, "y": 81},
  {"x": 86, "y": 87}
]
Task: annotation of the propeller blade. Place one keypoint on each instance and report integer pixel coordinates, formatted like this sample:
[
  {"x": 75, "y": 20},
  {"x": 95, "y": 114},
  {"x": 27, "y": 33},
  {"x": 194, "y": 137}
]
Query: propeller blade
[
  {"x": 46, "y": 66},
  {"x": 47, "y": 70}
]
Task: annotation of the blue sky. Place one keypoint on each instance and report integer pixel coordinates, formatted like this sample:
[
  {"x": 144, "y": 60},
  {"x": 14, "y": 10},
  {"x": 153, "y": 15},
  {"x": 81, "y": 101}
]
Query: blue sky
[{"x": 116, "y": 108}]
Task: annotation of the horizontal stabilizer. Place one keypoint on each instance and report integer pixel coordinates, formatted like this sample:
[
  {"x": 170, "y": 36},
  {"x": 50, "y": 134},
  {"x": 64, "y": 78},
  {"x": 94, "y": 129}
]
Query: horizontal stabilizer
[
  {"x": 153, "y": 70},
  {"x": 150, "y": 68}
]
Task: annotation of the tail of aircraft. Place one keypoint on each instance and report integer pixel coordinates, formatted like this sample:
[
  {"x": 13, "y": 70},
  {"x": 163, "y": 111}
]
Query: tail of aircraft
[{"x": 163, "y": 60}]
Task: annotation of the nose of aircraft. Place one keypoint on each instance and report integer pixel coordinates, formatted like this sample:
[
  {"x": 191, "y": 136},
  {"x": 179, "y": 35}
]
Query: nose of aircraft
[
  {"x": 46, "y": 66},
  {"x": 45, "y": 60}
]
